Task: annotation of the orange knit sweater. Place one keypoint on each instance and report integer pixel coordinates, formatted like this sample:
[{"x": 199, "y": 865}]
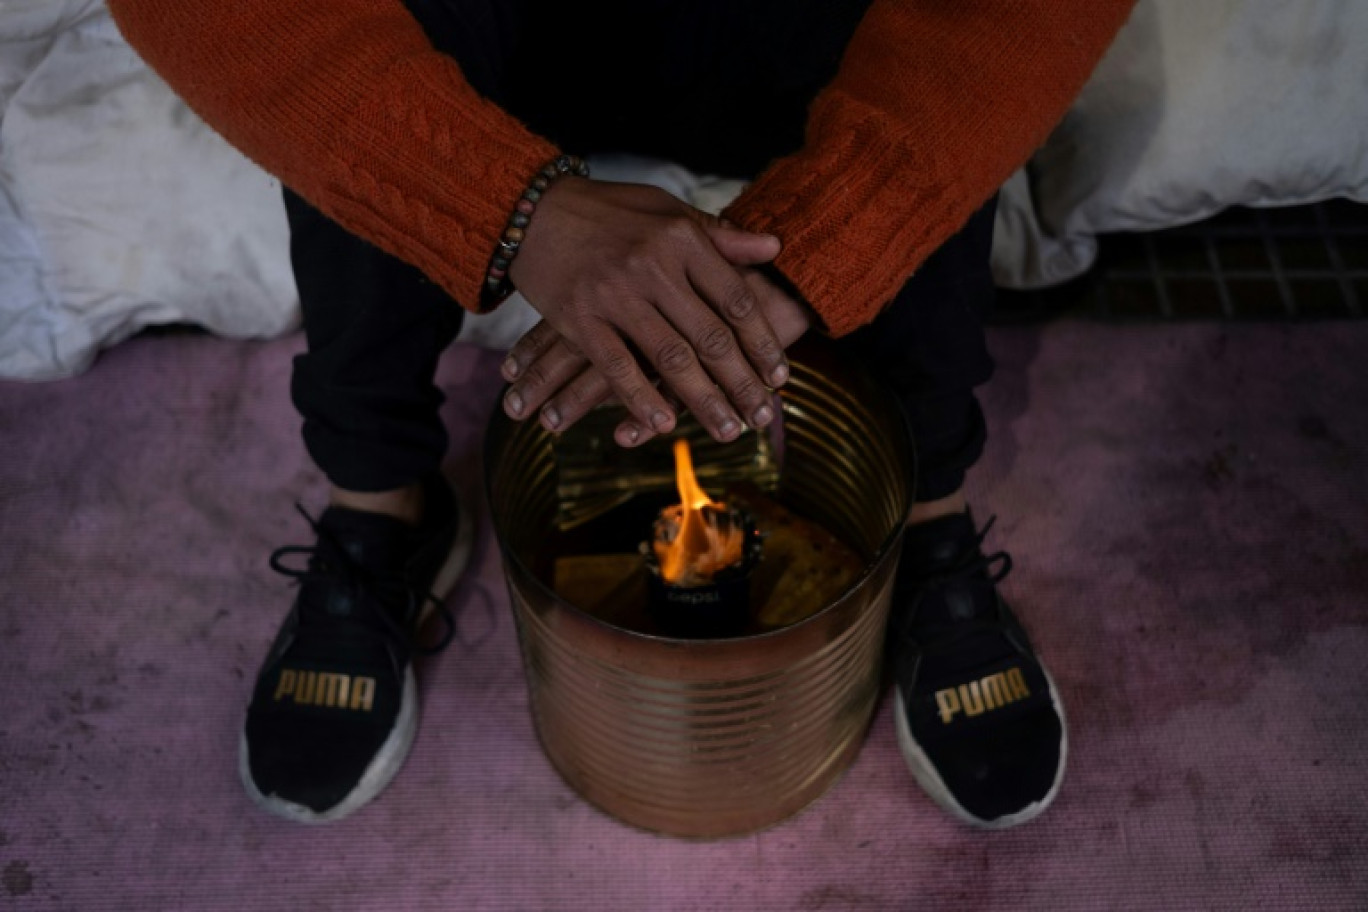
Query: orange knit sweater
[{"x": 935, "y": 104}]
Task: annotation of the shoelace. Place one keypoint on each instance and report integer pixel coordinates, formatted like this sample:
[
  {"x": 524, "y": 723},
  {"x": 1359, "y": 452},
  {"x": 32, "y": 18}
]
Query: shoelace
[
  {"x": 972, "y": 564},
  {"x": 329, "y": 561}
]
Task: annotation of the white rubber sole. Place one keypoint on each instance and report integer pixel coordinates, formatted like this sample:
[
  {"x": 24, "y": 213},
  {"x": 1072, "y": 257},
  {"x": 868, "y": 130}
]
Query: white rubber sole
[
  {"x": 381, "y": 771},
  {"x": 924, "y": 771},
  {"x": 392, "y": 754}
]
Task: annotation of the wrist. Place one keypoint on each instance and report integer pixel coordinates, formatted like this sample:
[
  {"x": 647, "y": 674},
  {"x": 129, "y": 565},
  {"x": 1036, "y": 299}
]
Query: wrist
[
  {"x": 545, "y": 231},
  {"x": 498, "y": 284}
]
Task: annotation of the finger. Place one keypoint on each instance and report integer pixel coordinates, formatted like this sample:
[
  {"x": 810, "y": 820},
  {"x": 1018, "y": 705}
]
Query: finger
[
  {"x": 542, "y": 379},
  {"x": 786, "y": 315},
  {"x": 674, "y": 355},
  {"x": 529, "y": 348},
  {"x": 588, "y": 389},
  {"x": 631, "y": 433},
  {"x": 735, "y": 301},
  {"x": 609, "y": 353},
  {"x": 737, "y": 245},
  {"x": 720, "y": 353}
]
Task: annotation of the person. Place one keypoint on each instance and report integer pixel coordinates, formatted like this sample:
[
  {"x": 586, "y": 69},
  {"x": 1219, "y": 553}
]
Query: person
[{"x": 432, "y": 150}]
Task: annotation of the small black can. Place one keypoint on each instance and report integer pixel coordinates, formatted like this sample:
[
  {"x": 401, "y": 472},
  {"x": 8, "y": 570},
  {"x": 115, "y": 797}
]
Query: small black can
[{"x": 714, "y": 609}]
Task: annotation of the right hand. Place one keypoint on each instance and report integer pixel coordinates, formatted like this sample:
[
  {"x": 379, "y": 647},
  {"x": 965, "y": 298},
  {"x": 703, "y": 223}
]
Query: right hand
[{"x": 616, "y": 265}]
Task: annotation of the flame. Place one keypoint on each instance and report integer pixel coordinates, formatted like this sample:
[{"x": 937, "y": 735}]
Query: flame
[{"x": 704, "y": 541}]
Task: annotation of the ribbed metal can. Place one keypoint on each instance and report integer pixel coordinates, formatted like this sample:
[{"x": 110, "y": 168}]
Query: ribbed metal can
[{"x": 713, "y": 738}]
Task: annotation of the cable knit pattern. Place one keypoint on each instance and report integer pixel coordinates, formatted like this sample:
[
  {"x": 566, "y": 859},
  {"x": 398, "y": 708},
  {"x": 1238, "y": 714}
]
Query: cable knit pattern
[
  {"x": 935, "y": 104},
  {"x": 349, "y": 104}
]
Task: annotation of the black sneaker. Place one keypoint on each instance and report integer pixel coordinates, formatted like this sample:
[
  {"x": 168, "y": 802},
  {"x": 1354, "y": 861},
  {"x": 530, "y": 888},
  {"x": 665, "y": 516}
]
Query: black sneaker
[
  {"x": 336, "y": 703},
  {"x": 979, "y": 720}
]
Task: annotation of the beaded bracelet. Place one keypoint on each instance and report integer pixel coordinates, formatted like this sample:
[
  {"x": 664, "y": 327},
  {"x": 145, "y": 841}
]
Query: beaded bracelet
[{"x": 496, "y": 286}]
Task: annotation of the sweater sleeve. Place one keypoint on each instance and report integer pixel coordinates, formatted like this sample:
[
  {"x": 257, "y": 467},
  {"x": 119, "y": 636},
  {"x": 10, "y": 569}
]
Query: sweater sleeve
[
  {"x": 935, "y": 104},
  {"x": 353, "y": 108}
]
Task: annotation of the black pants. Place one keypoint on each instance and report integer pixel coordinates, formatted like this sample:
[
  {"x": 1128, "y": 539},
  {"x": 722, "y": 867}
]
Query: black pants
[{"x": 717, "y": 86}]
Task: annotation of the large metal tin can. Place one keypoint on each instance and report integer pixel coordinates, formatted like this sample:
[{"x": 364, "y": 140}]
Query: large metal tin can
[{"x": 711, "y": 738}]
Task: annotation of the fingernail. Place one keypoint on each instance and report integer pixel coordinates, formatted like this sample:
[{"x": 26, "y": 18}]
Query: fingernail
[
  {"x": 660, "y": 420},
  {"x": 631, "y": 432},
  {"x": 730, "y": 428},
  {"x": 763, "y": 416},
  {"x": 551, "y": 416},
  {"x": 779, "y": 375},
  {"x": 515, "y": 402},
  {"x": 510, "y": 368}
]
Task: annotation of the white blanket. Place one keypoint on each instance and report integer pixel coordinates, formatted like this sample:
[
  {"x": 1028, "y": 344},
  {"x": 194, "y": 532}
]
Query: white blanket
[
  {"x": 119, "y": 209},
  {"x": 1199, "y": 105}
]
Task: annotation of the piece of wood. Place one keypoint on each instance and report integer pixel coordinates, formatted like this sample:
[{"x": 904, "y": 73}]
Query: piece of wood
[
  {"x": 609, "y": 586},
  {"x": 805, "y": 567}
]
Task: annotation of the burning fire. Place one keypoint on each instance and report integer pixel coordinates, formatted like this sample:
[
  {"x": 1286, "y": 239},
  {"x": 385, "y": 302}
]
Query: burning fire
[{"x": 695, "y": 538}]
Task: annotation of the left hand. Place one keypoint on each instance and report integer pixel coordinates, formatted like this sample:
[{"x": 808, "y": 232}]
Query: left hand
[{"x": 560, "y": 380}]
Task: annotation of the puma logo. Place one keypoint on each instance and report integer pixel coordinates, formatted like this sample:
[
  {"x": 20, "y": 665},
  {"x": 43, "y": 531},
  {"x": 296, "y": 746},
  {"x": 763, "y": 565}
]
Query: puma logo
[
  {"x": 320, "y": 688},
  {"x": 980, "y": 696}
]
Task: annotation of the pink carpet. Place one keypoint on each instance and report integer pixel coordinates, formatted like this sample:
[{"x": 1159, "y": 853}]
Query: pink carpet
[{"x": 1188, "y": 510}]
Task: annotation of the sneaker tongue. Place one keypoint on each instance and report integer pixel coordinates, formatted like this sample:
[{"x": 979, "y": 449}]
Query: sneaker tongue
[
  {"x": 936, "y": 550},
  {"x": 377, "y": 542},
  {"x": 938, "y": 545}
]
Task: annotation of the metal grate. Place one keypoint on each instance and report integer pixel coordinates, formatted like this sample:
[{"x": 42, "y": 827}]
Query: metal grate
[{"x": 1297, "y": 263}]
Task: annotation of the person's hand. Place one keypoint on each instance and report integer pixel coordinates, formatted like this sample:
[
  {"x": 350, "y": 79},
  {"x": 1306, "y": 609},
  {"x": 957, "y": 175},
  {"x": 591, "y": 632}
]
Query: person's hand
[
  {"x": 565, "y": 385},
  {"x": 617, "y": 267}
]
